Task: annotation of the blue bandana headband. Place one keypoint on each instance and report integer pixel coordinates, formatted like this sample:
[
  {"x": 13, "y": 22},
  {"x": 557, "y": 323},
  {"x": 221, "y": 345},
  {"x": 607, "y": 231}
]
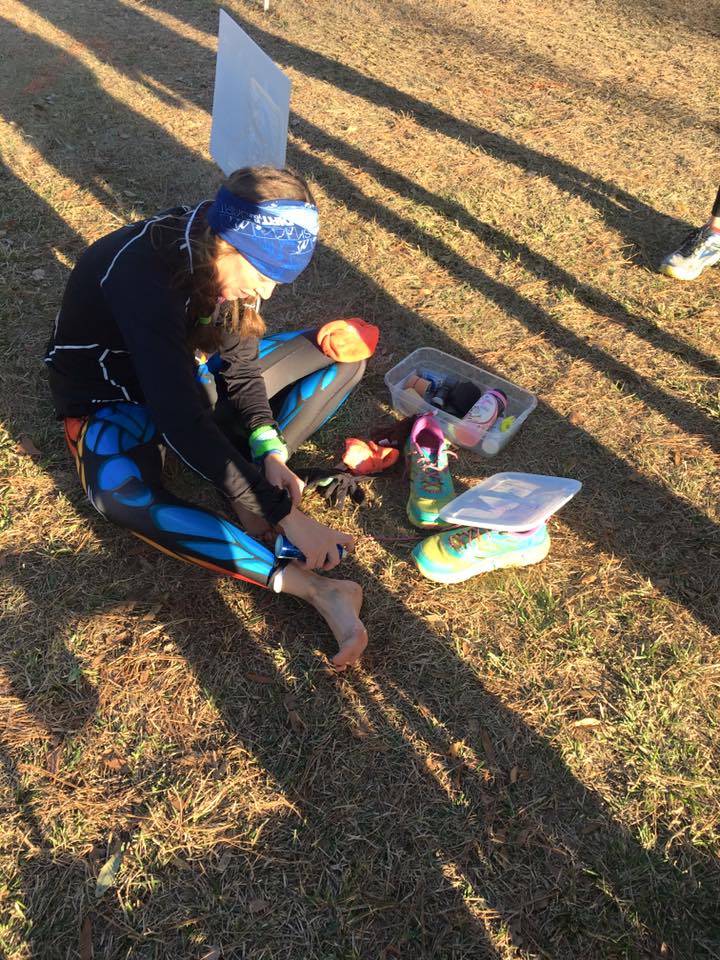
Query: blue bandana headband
[{"x": 276, "y": 236}]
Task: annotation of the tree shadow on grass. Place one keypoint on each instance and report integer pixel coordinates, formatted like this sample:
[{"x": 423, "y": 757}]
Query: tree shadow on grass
[
  {"x": 668, "y": 534},
  {"x": 644, "y": 228},
  {"x": 530, "y": 63},
  {"x": 444, "y": 870},
  {"x": 492, "y": 237},
  {"x": 48, "y": 705},
  {"x": 429, "y": 819}
]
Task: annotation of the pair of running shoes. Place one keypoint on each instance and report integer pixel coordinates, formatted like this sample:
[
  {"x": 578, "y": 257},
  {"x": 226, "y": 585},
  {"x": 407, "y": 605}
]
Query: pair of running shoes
[{"x": 456, "y": 553}]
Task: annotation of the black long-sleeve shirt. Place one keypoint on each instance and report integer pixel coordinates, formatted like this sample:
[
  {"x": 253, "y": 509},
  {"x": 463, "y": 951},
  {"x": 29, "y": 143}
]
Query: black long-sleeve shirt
[{"x": 122, "y": 334}]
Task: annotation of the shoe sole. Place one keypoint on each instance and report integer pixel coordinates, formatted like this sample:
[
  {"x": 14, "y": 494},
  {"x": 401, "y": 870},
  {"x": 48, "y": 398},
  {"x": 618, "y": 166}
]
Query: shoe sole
[
  {"x": 677, "y": 273},
  {"x": 426, "y": 525},
  {"x": 681, "y": 274},
  {"x": 525, "y": 558}
]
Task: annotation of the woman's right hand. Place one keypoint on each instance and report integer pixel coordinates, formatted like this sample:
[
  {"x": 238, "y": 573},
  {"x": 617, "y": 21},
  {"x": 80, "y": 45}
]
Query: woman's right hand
[{"x": 318, "y": 542}]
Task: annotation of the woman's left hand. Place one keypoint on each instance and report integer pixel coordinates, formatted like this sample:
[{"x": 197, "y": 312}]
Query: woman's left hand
[{"x": 280, "y": 475}]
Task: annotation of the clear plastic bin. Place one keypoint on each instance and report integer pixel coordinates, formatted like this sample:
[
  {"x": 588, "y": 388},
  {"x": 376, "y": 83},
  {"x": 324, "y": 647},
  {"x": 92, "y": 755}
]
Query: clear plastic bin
[{"x": 521, "y": 403}]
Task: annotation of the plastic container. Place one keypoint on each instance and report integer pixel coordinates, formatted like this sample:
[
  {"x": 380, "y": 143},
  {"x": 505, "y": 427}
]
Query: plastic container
[
  {"x": 512, "y": 502},
  {"x": 521, "y": 403}
]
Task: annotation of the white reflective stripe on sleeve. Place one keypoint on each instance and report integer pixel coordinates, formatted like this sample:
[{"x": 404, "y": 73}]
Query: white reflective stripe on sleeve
[
  {"x": 132, "y": 240},
  {"x": 192, "y": 467}
]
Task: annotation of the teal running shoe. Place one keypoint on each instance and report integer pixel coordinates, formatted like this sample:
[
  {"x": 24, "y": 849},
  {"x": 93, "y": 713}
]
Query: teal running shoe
[
  {"x": 457, "y": 555},
  {"x": 431, "y": 486},
  {"x": 699, "y": 250}
]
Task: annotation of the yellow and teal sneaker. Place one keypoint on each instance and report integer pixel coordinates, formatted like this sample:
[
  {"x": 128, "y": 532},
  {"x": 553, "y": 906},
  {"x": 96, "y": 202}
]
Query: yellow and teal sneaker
[
  {"x": 431, "y": 486},
  {"x": 456, "y": 555}
]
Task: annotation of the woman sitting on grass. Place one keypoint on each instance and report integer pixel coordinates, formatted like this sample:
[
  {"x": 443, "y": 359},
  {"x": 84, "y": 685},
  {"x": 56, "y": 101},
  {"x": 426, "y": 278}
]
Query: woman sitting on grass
[{"x": 144, "y": 309}]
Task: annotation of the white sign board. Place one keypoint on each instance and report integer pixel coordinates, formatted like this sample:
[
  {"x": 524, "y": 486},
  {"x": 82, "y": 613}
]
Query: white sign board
[{"x": 251, "y": 104}]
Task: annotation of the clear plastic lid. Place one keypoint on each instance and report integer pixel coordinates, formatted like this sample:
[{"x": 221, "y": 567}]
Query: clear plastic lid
[{"x": 511, "y": 501}]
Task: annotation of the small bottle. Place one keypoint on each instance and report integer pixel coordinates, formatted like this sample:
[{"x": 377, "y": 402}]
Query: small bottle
[
  {"x": 495, "y": 439},
  {"x": 285, "y": 550},
  {"x": 483, "y": 414}
]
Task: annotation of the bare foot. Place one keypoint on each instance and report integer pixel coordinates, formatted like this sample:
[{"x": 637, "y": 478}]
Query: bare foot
[
  {"x": 256, "y": 526},
  {"x": 338, "y": 602},
  {"x": 339, "y": 606}
]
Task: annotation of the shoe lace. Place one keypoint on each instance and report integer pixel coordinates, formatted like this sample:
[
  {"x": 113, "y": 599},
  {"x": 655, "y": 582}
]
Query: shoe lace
[
  {"x": 431, "y": 474},
  {"x": 692, "y": 241},
  {"x": 463, "y": 537}
]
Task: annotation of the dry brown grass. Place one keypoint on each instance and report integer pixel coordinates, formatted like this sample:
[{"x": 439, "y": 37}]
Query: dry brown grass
[{"x": 526, "y": 764}]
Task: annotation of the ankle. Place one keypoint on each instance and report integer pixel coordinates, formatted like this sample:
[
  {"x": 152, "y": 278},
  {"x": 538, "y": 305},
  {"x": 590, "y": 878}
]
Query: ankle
[
  {"x": 301, "y": 583},
  {"x": 714, "y": 224}
]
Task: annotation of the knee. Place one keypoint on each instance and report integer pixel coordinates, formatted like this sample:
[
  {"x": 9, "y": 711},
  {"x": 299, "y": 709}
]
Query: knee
[{"x": 350, "y": 374}]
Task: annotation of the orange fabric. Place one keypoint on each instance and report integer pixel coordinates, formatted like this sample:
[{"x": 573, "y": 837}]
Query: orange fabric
[
  {"x": 73, "y": 428},
  {"x": 348, "y": 340},
  {"x": 366, "y": 456}
]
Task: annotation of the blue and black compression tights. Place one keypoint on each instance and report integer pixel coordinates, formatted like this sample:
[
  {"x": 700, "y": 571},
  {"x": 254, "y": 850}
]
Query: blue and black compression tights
[{"x": 118, "y": 455}]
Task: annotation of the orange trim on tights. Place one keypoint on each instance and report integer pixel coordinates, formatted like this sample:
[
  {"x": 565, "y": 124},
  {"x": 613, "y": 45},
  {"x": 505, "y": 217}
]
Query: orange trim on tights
[{"x": 196, "y": 561}]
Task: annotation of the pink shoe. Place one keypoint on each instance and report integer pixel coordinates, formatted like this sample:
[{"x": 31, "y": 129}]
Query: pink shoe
[{"x": 431, "y": 486}]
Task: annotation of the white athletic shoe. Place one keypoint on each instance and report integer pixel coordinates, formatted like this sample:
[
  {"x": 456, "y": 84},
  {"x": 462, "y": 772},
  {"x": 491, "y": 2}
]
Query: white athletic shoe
[{"x": 700, "y": 249}]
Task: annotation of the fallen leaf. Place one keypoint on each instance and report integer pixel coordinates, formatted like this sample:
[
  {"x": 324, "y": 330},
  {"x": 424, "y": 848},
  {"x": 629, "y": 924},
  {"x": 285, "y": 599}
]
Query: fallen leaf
[
  {"x": 212, "y": 953},
  {"x": 522, "y": 838},
  {"x": 576, "y": 419},
  {"x": 259, "y": 678},
  {"x": 488, "y": 748},
  {"x": 515, "y": 932},
  {"x": 433, "y": 765},
  {"x": 53, "y": 759},
  {"x": 38, "y": 274},
  {"x": 456, "y": 777},
  {"x": 456, "y": 749},
  {"x": 587, "y": 722},
  {"x": 677, "y": 458},
  {"x": 224, "y": 861},
  {"x": 514, "y": 773},
  {"x": 86, "y": 947},
  {"x": 114, "y": 762},
  {"x": 28, "y": 448},
  {"x": 108, "y": 874},
  {"x": 296, "y": 722},
  {"x": 153, "y": 611},
  {"x": 258, "y": 905},
  {"x": 290, "y": 702}
]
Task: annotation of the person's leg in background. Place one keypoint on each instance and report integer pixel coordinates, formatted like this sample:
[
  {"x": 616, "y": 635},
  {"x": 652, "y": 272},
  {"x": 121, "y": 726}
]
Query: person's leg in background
[
  {"x": 699, "y": 250},
  {"x": 119, "y": 461}
]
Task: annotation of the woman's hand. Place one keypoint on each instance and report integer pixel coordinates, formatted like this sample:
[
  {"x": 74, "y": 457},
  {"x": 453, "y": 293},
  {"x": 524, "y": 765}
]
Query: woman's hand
[
  {"x": 280, "y": 475},
  {"x": 318, "y": 542}
]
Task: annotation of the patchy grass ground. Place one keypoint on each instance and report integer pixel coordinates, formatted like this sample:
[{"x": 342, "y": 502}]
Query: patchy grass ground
[{"x": 525, "y": 765}]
